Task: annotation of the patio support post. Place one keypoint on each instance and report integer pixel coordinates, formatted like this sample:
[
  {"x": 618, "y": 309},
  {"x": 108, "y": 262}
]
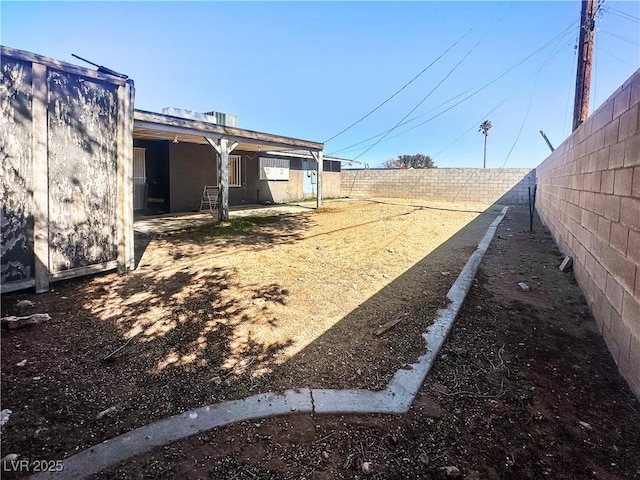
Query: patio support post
[
  {"x": 222, "y": 160},
  {"x": 223, "y": 180},
  {"x": 318, "y": 158}
]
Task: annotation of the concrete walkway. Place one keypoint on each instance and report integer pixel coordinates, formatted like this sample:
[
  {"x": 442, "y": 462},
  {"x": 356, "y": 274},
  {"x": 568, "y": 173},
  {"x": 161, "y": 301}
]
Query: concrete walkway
[{"x": 395, "y": 399}]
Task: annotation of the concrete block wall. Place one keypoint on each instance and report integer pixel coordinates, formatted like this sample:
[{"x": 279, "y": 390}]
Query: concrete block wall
[
  {"x": 464, "y": 185},
  {"x": 589, "y": 197}
]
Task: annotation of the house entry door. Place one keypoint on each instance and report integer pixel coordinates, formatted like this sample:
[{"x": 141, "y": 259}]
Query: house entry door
[{"x": 309, "y": 178}]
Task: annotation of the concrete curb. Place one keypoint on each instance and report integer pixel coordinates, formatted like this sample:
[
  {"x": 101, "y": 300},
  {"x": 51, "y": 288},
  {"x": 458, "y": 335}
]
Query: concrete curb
[{"x": 395, "y": 399}]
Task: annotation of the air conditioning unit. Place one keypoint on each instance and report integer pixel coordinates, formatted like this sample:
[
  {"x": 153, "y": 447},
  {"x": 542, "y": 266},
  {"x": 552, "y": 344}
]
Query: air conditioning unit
[
  {"x": 190, "y": 114},
  {"x": 226, "y": 119},
  {"x": 219, "y": 118}
]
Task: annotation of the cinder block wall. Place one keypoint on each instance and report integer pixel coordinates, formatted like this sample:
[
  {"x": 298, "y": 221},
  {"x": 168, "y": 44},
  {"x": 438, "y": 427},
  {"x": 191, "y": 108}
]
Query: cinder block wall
[
  {"x": 464, "y": 185},
  {"x": 589, "y": 197}
]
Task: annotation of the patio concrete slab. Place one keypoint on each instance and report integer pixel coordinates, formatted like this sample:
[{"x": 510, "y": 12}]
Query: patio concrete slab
[{"x": 155, "y": 224}]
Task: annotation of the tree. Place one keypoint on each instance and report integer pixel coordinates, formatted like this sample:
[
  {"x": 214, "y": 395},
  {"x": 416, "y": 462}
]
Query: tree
[
  {"x": 484, "y": 128},
  {"x": 410, "y": 161}
]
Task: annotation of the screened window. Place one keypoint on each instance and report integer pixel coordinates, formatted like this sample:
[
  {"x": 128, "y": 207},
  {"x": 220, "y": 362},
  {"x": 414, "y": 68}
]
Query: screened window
[{"x": 274, "y": 168}]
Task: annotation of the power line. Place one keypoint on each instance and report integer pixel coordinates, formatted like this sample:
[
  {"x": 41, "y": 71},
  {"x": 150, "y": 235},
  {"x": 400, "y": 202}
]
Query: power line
[
  {"x": 461, "y": 101},
  {"x": 524, "y": 119},
  {"x": 559, "y": 37},
  {"x": 599, "y": 48},
  {"x": 621, "y": 14},
  {"x": 404, "y": 123},
  {"x": 420, "y": 102},
  {"x": 624, "y": 39},
  {"x": 401, "y": 89},
  {"x": 455, "y": 67},
  {"x": 409, "y": 82},
  {"x": 526, "y": 115},
  {"x": 545, "y": 62},
  {"x": 457, "y": 139},
  {"x": 474, "y": 125}
]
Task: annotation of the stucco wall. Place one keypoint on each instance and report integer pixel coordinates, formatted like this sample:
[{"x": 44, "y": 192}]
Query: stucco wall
[
  {"x": 589, "y": 197},
  {"x": 331, "y": 184},
  {"x": 191, "y": 167},
  {"x": 508, "y": 185}
]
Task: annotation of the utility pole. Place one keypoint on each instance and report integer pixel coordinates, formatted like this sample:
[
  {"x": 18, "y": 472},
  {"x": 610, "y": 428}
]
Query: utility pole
[{"x": 585, "y": 59}]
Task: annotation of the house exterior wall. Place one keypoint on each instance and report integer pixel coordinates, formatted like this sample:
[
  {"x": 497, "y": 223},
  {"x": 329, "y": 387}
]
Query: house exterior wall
[
  {"x": 589, "y": 197},
  {"x": 331, "y": 184},
  {"x": 331, "y": 179},
  {"x": 255, "y": 190},
  {"x": 470, "y": 185},
  {"x": 66, "y": 183},
  {"x": 191, "y": 167},
  {"x": 293, "y": 190},
  {"x": 281, "y": 191}
]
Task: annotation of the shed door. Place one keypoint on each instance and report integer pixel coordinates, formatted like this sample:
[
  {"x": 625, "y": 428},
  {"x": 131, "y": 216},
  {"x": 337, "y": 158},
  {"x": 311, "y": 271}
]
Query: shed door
[{"x": 139, "y": 178}]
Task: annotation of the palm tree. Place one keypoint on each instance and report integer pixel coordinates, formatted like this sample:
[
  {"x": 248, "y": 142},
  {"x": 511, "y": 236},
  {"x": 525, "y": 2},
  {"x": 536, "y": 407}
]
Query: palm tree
[{"x": 484, "y": 128}]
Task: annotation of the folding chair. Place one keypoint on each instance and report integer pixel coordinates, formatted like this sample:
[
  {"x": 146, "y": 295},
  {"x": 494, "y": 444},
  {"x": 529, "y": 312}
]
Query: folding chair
[{"x": 209, "y": 198}]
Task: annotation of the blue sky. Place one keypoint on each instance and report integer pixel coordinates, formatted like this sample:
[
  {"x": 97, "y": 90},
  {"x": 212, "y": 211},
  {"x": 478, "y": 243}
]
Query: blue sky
[{"x": 309, "y": 70}]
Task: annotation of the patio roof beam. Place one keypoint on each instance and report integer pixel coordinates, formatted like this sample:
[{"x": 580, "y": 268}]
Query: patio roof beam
[
  {"x": 214, "y": 144},
  {"x": 177, "y": 125}
]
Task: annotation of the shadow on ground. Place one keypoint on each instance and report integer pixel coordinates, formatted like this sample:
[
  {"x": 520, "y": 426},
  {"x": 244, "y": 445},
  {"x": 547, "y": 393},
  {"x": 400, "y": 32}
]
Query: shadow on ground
[
  {"x": 184, "y": 341},
  {"x": 524, "y": 388}
]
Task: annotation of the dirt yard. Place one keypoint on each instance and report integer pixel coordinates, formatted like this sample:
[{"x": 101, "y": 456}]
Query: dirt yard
[
  {"x": 524, "y": 389},
  {"x": 218, "y": 313}
]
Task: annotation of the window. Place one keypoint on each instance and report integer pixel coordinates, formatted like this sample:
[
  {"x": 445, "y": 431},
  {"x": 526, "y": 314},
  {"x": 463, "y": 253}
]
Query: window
[
  {"x": 235, "y": 170},
  {"x": 274, "y": 168}
]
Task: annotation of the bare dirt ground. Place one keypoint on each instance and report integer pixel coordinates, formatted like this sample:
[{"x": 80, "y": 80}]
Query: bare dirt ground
[
  {"x": 218, "y": 313},
  {"x": 524, "y": 389}
]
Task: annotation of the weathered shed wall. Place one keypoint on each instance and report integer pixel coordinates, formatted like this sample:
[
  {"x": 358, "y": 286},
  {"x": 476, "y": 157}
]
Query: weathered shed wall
[
  {"x": 16, "y": 168},
  {"x": 589, "y": 197},
  {"x": 66, "y": 170},
  {"x": 83, "y": 171}
]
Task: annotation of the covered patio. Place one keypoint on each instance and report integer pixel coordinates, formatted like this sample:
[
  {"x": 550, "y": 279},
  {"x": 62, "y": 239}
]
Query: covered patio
[{"x": 223, "y": 140}]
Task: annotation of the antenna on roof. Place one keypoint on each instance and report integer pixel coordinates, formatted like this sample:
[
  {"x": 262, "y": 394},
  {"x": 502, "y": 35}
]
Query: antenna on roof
[{"x": 101, "y": 69}]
